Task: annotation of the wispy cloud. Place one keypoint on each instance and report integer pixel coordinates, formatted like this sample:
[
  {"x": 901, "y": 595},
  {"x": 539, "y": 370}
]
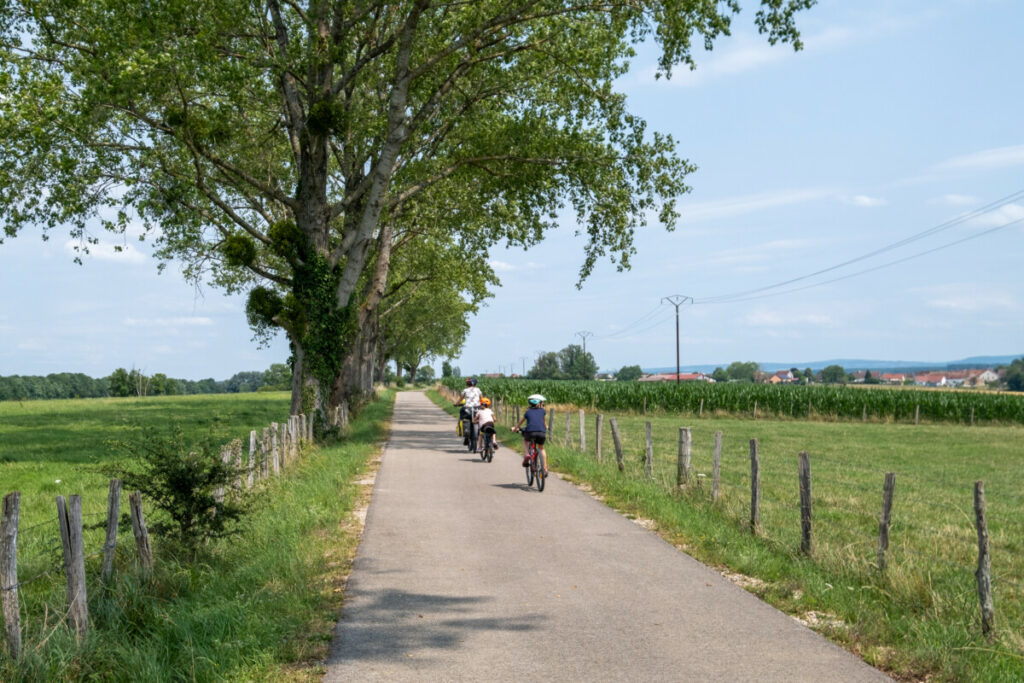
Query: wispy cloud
[
  {"x": 968, "y": 298},
  {"x": 758, "y": 253},
  {"x": 864, "y": 201},
  {"x": 194, "y": 321},
  {"x": 788, "y": 320},
  {"x": 736, "y": 206},
  {"x": 505, "y": 267},
  {"x": 999, "y": 157},
  {"x": 955, "y": 200},
  {"x": 1007, "y": 213}
]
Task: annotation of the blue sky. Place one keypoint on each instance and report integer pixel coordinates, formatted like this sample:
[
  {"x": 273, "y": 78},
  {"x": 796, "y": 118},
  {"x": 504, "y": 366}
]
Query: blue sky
[{"x": 896, "y": 118}]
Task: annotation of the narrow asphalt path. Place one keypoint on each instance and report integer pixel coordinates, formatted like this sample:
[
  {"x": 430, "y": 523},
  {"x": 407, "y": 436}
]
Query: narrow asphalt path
[{"x": 465, "y": 574}]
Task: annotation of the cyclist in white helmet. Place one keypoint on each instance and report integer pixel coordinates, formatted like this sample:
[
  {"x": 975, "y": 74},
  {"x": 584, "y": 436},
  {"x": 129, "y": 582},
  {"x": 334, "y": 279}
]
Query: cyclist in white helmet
[{"x": 535, "y": 429}]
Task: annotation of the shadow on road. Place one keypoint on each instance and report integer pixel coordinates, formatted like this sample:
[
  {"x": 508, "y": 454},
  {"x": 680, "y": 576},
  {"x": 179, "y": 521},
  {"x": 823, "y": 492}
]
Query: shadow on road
[{"x": 395, "y": 623}]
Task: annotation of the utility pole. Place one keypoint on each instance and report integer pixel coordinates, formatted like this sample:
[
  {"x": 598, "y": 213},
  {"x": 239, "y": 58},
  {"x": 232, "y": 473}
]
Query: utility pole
[
  {"x": 523, "y": 358},
  {"x": 583, "y": 335},
  {"x": 677, "y": 300}
]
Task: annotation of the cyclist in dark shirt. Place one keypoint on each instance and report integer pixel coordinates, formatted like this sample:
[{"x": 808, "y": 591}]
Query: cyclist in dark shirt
[{"x": 535, "y": 429}]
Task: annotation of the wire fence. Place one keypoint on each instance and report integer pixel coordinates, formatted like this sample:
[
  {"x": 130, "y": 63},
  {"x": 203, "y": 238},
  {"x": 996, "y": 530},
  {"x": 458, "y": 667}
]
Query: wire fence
[{"x": 270, "y": 452}]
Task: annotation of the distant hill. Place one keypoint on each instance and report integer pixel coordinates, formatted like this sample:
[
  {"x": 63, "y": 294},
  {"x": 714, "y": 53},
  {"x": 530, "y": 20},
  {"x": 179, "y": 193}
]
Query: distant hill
[{"x": 850, "y": 364}]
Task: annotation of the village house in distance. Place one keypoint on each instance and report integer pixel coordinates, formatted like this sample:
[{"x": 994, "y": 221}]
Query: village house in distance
[{"x": 974, "y": 378}]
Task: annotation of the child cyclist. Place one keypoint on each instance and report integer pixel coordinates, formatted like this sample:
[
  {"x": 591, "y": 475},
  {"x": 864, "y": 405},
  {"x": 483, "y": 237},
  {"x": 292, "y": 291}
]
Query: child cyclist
[
  {"x": 485, "y": 423},
  {"x": 534, "y": 430}
]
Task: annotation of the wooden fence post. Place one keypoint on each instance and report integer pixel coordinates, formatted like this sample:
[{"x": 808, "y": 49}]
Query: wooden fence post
[
  {"x": 885, "y": 520},
  {"x": 972, "y": 416},
  {"x": 716, "y": 467},
  {"x": 649, "y": 457},
  {"x": 140, "y": 531},
  {"x": 984, "y": 572},
  {"x": 617, "y": 440},
  {"x": 265, "y": 453},
  {"x": 275, "y": 453},
  {"x": 236, "y": 453},
  {"x": 683, "y": 459},
  {"x": 700, "y": 411},
  {"x": 598, "y": 423},
  {"x": 113, "y": 515},
  {"x": 583, "y": 432},
  {"x": 69, "y": 516},
  {"x": 551, "y": 420},
  {"x": 805, "y": 502},
  {"x": 250, "y": 479},
  {"x": 9, "y": 572},
  {"x": 225, "y": 458},
  {"x": 755, "y": 487},
  {"x": 864, "y": 413},
  {"x": 755, "y": 409},
  {"x": 917, "y": 414}
]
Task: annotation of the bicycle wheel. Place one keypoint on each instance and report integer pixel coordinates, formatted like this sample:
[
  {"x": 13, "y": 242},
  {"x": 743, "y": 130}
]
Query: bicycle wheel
[
  {"x": 485, "y": 452},
  {"x": 530, "y": 468},
  {"x": 539, "y": 477},
  {"x": 472, "y": 438}
]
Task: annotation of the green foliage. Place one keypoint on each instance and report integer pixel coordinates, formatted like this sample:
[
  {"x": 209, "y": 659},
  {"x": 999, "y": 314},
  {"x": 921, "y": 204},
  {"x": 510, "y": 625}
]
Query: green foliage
[
  {"x": 1014, "y": 377},
  {"x": 446, "y": 369},
  {"x": 425, "y": 375},
  {"x": 239, "y": 250},
  {"x": 546, "y": 367},
  {"x": 179, "y": 477},
  {"x": 629, "y": 373},
  {"x": 742, "y": 372},
  {"x": 834, "y": 374},
  {"x": 262, "y": 306}
]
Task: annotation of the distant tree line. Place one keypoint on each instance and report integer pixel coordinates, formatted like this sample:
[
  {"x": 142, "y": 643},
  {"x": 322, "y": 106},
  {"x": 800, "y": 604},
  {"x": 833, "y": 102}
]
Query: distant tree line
[{"x": 132, "y": 382}]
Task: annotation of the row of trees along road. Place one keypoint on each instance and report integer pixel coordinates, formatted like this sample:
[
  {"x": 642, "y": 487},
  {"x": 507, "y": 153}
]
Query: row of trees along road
[{"x": 349, "y": 165}]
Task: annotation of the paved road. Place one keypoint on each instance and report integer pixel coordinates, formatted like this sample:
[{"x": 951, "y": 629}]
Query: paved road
[{"x": 465, "y": 574}]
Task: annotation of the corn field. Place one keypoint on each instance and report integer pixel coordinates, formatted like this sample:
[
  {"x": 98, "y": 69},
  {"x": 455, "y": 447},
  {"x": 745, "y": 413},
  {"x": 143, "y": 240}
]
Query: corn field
[{"x": 792, "y": 401}]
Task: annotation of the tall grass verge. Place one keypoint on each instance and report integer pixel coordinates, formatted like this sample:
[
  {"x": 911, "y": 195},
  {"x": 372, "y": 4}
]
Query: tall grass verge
[{"x": 260, "y": 606}]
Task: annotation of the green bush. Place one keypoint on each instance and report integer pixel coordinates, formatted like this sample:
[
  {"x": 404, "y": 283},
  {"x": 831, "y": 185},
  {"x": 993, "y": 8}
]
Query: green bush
[{"x": 181, "y": 479}]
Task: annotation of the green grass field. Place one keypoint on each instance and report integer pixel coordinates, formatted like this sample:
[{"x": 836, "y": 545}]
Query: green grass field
[
  {"x": 258, "y": 606},
  {"x": 922, "y": 616}
]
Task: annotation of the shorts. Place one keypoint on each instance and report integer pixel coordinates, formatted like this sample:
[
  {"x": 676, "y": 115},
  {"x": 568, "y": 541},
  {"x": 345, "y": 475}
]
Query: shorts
[{"x": 536, "y": 437}]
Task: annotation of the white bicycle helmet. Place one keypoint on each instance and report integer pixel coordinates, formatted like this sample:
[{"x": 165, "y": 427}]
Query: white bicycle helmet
[{"x": 534, "y": 399}]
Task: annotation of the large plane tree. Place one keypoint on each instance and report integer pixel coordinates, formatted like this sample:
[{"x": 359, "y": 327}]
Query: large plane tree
[{"x": 288, "y": 148}]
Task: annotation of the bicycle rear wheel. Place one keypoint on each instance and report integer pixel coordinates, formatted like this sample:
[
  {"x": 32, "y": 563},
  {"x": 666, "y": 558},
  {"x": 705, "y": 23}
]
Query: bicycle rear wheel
[
  {"x": 530, "y": 468},
  {"x": 485, "y": 452},
  {"x": 539, "y": 477}
]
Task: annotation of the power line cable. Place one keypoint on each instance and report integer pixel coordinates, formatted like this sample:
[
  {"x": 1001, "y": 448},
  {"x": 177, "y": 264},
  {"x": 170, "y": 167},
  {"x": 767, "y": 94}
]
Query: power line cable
[
  {"x": 872, "y": 269},
  {"x": 991, "y": 206}
]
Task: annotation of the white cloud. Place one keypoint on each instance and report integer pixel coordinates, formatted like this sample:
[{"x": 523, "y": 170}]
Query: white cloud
[
  {"x": 194, "y": 321},
  {"x": 747, "y": 256},
  {"x": 1007, "y": 213},
  {"x": 107, "y": 252},
  {"x": 999, "y": 157},
  {"x": 783, "y": 319},
  {"x": 955, "y": 200},
  {"x": 968, "y": 298},
  {"x": 735, "y": 206},
  {"x": 864, "y": 201}
]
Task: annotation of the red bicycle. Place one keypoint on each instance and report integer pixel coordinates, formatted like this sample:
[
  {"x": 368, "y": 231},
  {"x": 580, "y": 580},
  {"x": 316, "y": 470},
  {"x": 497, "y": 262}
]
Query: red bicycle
[{"x": 535, "y": 471}]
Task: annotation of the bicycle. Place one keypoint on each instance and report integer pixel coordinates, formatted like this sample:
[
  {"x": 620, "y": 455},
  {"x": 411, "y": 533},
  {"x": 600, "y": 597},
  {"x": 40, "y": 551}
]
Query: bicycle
[
  {"x": 535, "y": 471},
  {"x": 467, "y": 428},
  {"x": 487, "y": 451}
]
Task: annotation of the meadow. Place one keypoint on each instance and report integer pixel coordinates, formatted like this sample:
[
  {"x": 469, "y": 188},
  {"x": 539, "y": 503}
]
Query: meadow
[
  {"x": 260, "y": 605},
  {"x": 920, "y": 618}
]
